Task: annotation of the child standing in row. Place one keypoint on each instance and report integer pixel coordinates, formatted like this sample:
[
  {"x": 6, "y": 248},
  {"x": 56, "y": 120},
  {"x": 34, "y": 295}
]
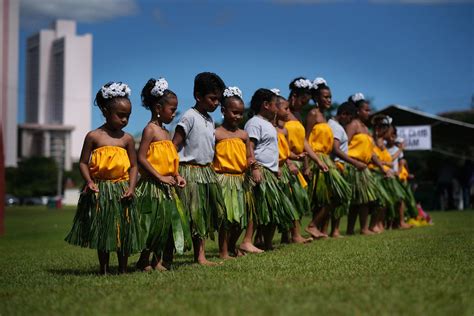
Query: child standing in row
[
  {"x": 273, "y": 208},
  {"x": 165, "y": 223},
  {"x": 231, "y": 160},
  {"x": 106, "y": 218},
  {"x": 195, "y": 138}
]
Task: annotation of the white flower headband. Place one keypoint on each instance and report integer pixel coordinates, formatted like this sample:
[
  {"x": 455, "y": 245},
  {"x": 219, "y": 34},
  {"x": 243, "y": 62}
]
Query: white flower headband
[
  {"x": 276, "y": 91},
  {"x": 303, "y": 83},
  {"x": 160, "y": 86},
  {"x": 116, "y": 89},
  {"x": 232, "y": 92},
  {"x": 357, "y": 97},
  {"x": 387, "y": 120},
  {"x": 318, "y": 81}
]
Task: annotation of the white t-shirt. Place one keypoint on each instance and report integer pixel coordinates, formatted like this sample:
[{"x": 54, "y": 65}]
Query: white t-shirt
[
  {"x": 339, "y": 134},
  {"x": 266, "y": 149},
  {"x": 393, "y": 150},
  {"x": 199, "y": 138}
]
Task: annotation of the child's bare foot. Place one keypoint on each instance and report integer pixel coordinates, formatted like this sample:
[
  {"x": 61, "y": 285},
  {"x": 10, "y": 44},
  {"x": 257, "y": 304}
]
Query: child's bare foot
[
  {"x": 314, "y": 232},
  {"x": 160, "y": 267},
  {"x": 207, "y": 263},
  {"x": 225, "y": 256},
  {"x": 336, "y": 234},
  {"x": 301, "y": 240},
  {"x": 404, "y": 225},
  {"x": 240, "y": 253},
  {"x": 249, "y": 248},
  {"x": 366, "y": 232},
  {"x": 375, "y": 230}
]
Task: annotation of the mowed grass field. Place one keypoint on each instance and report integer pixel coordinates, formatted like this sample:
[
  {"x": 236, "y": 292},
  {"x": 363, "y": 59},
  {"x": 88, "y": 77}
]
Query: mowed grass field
[{"x": 421, "y": 271}]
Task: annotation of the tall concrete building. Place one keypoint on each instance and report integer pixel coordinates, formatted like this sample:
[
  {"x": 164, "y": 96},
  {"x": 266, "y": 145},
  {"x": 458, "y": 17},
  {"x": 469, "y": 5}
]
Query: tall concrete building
[
  {"x": 57, "y": 92},
  {"x": 9, "y": 13}
]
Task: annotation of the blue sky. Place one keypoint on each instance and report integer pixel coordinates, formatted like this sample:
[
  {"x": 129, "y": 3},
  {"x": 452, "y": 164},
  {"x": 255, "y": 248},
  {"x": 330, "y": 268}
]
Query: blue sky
[{"x": 418, "y": 53}]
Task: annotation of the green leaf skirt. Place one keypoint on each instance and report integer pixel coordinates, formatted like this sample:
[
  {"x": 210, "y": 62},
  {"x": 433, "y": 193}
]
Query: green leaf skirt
[
  {"x": 411, "y": 211},
  {"x": 363, "y": 185},
  {"x": 202, "y": 198},
  {"x": 390, "y": 194},
  {"x": 272, "y": 206},
  {"x": 162, "y": 215},
  {"x": 105, "y": 222},
  {"x": 238, "y": 198},
  {"x": 293, "y": 189},
  {"x": 328, "y": 188}
]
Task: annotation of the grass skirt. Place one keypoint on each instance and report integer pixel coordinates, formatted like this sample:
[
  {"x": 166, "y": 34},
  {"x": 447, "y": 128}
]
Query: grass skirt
[
  {"x": 390, "y": 193},
  {"x": 162, "y": 213},
  {"x": 238, "y": 198},
  {"x": 105, "y": 222},
  {"x": 328, "y": 188},
  {"x": 364, "y": 185},
  {"x": 342, "y": 209},
  {"x": 411, "y": 211},
  {"x": 202, "y": 198},
  {"x": 272, "y": 206},
  {"x": 293, "y": 189}
]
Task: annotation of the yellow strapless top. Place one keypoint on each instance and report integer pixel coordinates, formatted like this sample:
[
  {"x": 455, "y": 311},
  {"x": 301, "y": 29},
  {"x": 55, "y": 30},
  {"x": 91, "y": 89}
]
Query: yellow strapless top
[
  {"x": 109, "y": 163},
  {"x": 296, "y": 136},
  {"x": 230, "y": 156},
  {"x": 403, "y": 174},
  {"x": 283, "y": 148},
  {"x": 162, "y": 155},
  {"x": 383, "y": 156},
  {"x": 361, "y": 147},
  {"x": 321, "y": 138}
]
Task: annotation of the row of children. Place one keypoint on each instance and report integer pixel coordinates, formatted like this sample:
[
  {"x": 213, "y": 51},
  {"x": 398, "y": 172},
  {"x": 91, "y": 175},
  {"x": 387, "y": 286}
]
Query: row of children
[{"x": 229, "y": 180}]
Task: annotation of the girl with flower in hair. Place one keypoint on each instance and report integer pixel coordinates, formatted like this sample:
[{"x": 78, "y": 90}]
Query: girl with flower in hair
[
  {"x": 327, "y": 189},
  {"x": 361, "y": 147},
  {"x": 106, "y": 218},
  {"x": 291, "y": 179},
  {"x": 164, "y": 221},
  {"x": 231, "y": 160},
  {"x": 273, "y": 208}
]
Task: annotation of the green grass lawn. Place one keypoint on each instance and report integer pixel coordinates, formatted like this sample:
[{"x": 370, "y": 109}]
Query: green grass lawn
[{"x": 427, "y": 271}]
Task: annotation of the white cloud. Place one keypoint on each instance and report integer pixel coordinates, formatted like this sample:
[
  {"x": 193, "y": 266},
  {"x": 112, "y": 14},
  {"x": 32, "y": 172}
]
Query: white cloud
[{"x": 35, "y": 12}]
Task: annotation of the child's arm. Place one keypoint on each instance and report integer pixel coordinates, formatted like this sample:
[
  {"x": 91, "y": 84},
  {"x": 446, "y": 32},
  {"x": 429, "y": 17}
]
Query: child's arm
[
  {"x": 179, "y": 137},
  {"x": 339, "y": 153},
  {"x": 256, "y": 174},
  {"x": 147, "y": 138},
  {"x": 133, "y": 171},
  {"x": 87, "y": 148},
  {"x": 379, "y": 164},
  {"x": 315, "y": 157}
]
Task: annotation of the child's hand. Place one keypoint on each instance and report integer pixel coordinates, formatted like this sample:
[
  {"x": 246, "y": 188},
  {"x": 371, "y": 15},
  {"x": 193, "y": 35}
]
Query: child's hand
[
  {"x": 301, "y": 156},
  {"x": 170, "y": 180},
  {"x": 279, "y": 173},
  {"x": 293, "y": 169},
  {"x": 322, "y": 166},
  {"x": 360, "y": 165},
  {"x": 91, "y": 186},
  {"x": 388, "y": 173},
  {"x": 308, "y": 173},
  {"x": 257, "y": 176},
  {"x": 130, "y": 193},
  {"x": 181, "y": 182}
]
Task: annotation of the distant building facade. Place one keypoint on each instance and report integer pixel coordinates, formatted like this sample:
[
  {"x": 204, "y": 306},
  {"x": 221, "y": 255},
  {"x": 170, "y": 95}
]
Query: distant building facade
[{"x": 57, "y": 93}]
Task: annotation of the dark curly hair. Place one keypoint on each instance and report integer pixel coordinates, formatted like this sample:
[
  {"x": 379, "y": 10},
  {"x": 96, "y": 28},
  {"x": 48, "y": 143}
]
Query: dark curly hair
[{"x": 149, "y": 100}]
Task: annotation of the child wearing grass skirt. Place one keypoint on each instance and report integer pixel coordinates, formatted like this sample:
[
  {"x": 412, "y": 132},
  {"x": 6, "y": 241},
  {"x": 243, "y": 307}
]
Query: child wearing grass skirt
[
  {"x": 328, "y": 189},
  {"x": 365, "y": 189},
  {"x": 164, "y": 221},
  {"x": 231, "y": 161},
  {"x": 106, "y": 218},
  {"x": 194, "y": 137},
  {"x": 346, "y": 112},
  {"x": 292, "y": 181},
  {"x": 273, "y": 208}
]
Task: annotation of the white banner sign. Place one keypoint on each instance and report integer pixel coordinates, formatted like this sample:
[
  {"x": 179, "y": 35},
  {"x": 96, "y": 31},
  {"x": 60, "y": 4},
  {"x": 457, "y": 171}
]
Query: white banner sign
[{"x": 415, "y": 137}]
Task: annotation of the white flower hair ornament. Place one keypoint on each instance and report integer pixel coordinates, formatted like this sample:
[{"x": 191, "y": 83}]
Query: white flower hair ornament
[
  {"x": 357, "y": 97},
  {"x": 115, "y": 89},
  {"x": 318, "y": 81},
  {"x": 303, "y": 83},
  {"x": 160, "y": 86},
  {"x": 387, "y": 120},
  {"x": 276, "y": 91},
  {"x": 232, "y": 92}
]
